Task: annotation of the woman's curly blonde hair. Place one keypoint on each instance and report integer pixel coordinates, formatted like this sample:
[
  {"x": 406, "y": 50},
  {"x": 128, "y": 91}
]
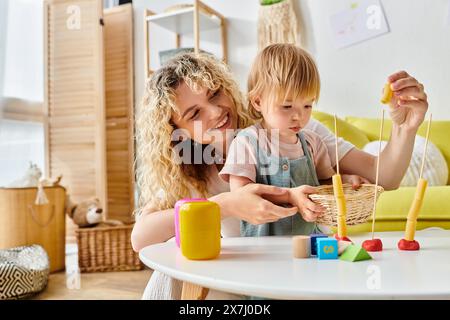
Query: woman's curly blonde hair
[{"x": 160, "y": 180}]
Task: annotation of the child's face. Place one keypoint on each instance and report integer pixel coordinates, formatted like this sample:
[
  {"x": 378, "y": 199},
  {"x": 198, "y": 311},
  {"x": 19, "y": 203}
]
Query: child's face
[{"x": 289, "y": 116}]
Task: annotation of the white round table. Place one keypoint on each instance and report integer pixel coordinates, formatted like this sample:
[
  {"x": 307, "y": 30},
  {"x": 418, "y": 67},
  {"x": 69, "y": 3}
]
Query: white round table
[{"x": 264, "y": 267}]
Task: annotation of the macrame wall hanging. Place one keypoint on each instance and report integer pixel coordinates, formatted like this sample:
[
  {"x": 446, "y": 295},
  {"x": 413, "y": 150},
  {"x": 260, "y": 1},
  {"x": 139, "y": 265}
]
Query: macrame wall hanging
[{"x": 277, "y": 23}]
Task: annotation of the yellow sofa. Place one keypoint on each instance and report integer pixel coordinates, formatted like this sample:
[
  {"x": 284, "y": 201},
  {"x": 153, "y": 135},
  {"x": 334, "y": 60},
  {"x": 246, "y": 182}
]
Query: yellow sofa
[{"x": 393, "y": 206}]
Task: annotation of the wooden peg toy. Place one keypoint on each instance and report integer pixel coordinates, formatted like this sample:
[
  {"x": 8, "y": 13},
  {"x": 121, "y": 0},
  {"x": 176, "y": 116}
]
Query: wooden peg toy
[
  {"x": 327, "y": 248},
  {"x": 301, "y": 247},
  {"x": 408, "y": 243},
  {"x": 375, "y": 244},
  {"x": 355, "y": 253},
  {"x": 338, "y": 191},
  {"x": 387, "y": 94},
  {"x": 314, "y": 238},
  {"x": 342, "y": 245}
]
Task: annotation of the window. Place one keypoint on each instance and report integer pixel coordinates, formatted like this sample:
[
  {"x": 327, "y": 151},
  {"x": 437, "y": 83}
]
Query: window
[{"x": 21, "y": 87}]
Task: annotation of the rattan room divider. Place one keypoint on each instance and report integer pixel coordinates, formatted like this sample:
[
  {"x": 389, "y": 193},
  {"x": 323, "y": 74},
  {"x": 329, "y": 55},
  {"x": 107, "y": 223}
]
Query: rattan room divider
[{"x": 89, "y": 102}]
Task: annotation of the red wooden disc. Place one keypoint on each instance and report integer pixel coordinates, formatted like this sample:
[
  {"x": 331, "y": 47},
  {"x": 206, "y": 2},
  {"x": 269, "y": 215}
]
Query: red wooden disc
[
  {"x": 373, "y": 245},
  {"x": 408, "y": 245}
]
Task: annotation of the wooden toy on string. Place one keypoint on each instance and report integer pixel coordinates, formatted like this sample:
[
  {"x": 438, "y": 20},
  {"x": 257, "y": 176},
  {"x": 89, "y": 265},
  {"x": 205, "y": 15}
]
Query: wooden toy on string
[
  {"x": 408, "y": 243},
  {"x": 339, "y": 196},
  {"x": 376, "y": 244}
]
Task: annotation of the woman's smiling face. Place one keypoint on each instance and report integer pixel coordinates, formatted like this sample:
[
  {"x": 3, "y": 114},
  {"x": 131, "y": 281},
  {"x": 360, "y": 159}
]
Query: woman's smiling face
[{"x": 208, "y": 116}]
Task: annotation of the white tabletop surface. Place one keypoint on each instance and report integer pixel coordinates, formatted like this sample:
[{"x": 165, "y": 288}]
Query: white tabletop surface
[{"x": 264, "y": 267}]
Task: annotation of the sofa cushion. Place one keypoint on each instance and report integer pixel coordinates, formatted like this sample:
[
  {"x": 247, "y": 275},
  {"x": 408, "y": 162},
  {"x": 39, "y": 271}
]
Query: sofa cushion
[{"x": 345, "y": 129}]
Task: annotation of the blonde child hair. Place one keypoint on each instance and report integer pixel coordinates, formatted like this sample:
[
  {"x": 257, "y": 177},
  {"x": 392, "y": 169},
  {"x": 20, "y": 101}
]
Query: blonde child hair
[
  {"x": 282, "y": 70},
  {"x": 155, "y": 167}
]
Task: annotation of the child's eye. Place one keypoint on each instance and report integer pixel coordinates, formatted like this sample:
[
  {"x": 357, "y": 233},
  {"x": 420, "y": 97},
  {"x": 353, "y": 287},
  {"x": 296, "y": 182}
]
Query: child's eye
[
  {"x": 287, "y": 107},
  {"x": 308, "y": 106}
]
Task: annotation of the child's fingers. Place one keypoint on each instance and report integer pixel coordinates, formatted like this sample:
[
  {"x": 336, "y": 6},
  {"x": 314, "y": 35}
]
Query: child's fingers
[
  {"x": 309, "y": 216},
  {"x": 311, "y": 205}
]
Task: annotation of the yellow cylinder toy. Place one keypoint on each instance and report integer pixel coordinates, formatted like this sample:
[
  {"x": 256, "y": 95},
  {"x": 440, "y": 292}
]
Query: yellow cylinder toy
[
  {"x": 341, "y": 207},
  {"x": 415, "y": 209},
  {"x": 200, "y": 230}
]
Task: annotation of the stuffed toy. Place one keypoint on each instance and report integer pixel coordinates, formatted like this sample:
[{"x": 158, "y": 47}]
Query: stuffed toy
[{"x": 87, "y": 213}]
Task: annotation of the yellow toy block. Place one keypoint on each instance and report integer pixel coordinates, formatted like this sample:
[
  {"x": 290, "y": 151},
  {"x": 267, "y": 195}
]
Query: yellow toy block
[{"x": 200, "y": 230}]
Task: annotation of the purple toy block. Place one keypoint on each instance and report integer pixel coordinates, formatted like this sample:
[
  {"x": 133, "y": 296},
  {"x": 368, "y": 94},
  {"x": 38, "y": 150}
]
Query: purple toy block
[{"x": 178, "y": 204}]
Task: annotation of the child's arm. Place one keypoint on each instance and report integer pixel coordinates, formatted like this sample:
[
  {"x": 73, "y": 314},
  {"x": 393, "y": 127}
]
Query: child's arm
[{"x": 296, "y": 197}]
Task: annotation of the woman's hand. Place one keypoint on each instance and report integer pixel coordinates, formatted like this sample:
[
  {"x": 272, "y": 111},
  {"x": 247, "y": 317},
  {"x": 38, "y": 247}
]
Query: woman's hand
[
  {"x": 353, "y": 179},
  {"x": 409, "y": 101},
  {"x": 248, "y": 203},
  {"x": 298, "y": 197}
]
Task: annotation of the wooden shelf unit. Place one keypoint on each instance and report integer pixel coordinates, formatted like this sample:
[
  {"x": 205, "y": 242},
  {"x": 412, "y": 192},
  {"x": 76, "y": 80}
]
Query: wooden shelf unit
[{"x": 192, "y": 20}]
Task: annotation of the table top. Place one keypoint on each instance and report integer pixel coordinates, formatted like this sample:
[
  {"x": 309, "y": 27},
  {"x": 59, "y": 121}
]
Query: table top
[{"x": 264, "y": 267}]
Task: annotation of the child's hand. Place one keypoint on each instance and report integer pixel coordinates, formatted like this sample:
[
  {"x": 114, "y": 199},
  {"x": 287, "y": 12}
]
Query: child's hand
[
  {"x": 354, "y": 180},
  {"x": 309, "y": 210}
]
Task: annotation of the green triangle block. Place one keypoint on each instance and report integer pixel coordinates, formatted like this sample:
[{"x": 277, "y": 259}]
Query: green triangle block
[{"x": 355, "y": 253}]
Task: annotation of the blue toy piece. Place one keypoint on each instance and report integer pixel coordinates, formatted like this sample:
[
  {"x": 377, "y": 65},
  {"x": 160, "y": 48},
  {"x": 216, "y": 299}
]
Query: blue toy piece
[
  {"x": 327, "y": 248},
  {"x": 314, "y": 238}
]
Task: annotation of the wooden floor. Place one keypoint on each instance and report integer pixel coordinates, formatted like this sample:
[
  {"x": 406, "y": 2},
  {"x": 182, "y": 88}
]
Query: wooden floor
[{"x": 93, "y": 286}]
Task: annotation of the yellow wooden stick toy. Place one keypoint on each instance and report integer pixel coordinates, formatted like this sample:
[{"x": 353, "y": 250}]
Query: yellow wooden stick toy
[
  {"x": 339, "y": 196},
  {"x": 409, "y": 243}
]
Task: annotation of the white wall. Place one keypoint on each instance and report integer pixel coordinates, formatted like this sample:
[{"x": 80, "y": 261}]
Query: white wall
[{"x": 352, "y": 78}]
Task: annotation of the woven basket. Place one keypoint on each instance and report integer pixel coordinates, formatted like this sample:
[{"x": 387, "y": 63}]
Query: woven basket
[
  {"x": 103, "y": 249},
  {"x": 359, "y": 203}
]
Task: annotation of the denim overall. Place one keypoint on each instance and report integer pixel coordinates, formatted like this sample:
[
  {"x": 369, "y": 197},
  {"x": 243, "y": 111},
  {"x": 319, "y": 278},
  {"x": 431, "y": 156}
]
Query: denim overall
[{"x": 282, "y": 172}]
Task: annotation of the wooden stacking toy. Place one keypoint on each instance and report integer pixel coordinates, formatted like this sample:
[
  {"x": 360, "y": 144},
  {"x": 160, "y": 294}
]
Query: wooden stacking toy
[
  {"x": 301, "y": 247},
  {"x": 355, "y": 253},
  {"x": 408, "y": 243},
  {"x": 376, "y": 244},
  {"x": 339, "y": 196},
  {"x": 200, "y": 230},
  {"x": 314, "y": 238},
  {"x": 327, "y": 248}
]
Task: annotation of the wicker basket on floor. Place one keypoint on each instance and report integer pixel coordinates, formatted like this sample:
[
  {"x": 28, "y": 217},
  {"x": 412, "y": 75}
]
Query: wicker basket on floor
[
  {"x": 102, "y": 249},
  {"x": 359, "y": 203}
]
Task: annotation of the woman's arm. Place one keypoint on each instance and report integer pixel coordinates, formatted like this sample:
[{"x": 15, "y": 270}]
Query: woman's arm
[
  {"x": 248, "y": 203},
  {"x": 152, "y": 227},
  {"x": 407, "y": 108},
  {"x": 394, "y": 160}
]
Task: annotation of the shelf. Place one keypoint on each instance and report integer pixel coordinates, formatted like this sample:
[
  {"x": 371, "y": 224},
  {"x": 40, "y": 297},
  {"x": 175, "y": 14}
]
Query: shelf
[{"x": 182, "y": 21}]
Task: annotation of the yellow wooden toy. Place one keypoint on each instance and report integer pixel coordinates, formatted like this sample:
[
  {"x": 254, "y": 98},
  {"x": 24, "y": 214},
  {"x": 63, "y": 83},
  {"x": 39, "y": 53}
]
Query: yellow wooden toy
[
  {"x": 387, "y": 94},
  {"x": 200, "y": 230},
  {"x": 408, "y": 243},
  {"x": 338, "y": 191}
]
